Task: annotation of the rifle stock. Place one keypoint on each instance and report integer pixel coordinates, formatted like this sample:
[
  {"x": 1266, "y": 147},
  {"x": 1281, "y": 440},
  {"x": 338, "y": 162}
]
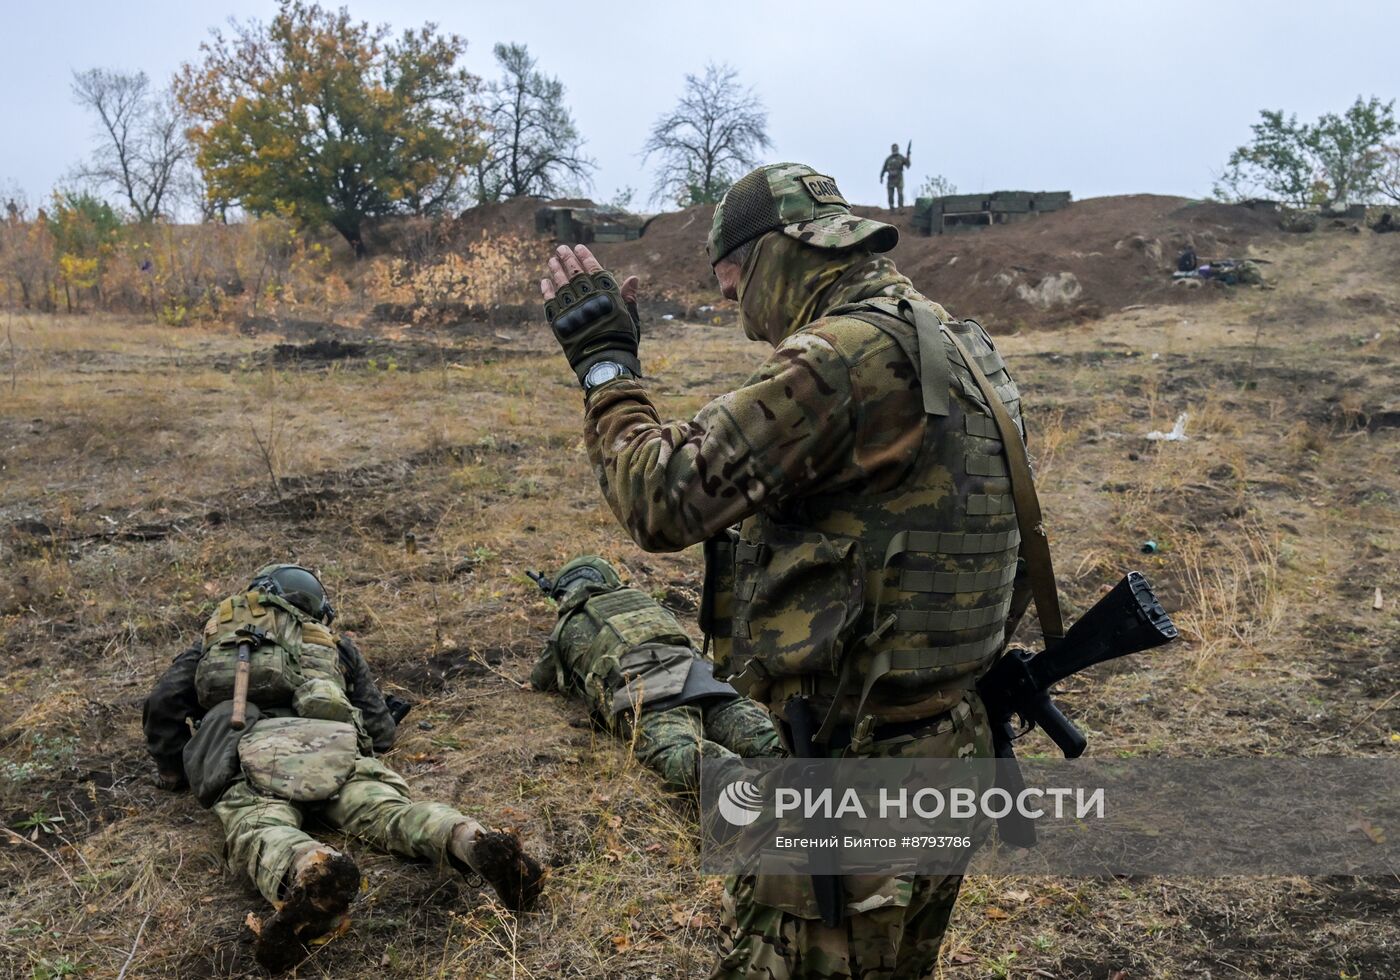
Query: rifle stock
[{"x": 1129, "y": 619}]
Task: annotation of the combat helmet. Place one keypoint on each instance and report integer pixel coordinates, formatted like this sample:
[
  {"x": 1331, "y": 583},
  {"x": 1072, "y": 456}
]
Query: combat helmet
[
  {"x": 796, "y": 200},
  {"x": 298, "y": 585},
  {"x": 583, "y": 570}
]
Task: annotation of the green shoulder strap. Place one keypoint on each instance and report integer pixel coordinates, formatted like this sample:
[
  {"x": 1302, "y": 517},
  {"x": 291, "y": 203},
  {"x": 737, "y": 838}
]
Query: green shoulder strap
[
  {"x": 930, "y": 356},
  {"x": 1035, "y": 542}
]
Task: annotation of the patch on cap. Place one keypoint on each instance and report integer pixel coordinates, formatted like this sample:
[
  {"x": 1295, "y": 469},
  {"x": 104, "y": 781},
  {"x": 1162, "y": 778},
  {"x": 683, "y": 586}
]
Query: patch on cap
[{"x": 823, "y": 190}]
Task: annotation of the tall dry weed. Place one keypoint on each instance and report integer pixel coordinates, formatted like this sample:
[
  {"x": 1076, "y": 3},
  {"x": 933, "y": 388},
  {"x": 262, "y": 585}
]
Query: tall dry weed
[{"x": 1232, "y": 597}]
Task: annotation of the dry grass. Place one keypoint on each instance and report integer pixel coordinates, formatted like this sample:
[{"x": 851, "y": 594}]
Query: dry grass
[{"x": 136, "y": 494}]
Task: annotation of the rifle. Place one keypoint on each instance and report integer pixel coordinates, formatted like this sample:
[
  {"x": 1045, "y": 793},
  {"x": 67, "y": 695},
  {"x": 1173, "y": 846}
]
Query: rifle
[
  {"x": 802, "y": 727},
  {"x": 908, "y": 151},
  {"x": 542, "y": 580},
  {"x": 248, "y": 638},
  {"x": 1127, "y": 620}
]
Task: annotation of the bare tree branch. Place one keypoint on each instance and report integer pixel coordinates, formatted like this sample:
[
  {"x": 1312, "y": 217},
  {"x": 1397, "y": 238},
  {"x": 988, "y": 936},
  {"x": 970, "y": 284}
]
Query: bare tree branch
[
  {"x": 533, "y": 146},
  {"x": 709, "y": 139},
  {"x": 142, "y": 138}
]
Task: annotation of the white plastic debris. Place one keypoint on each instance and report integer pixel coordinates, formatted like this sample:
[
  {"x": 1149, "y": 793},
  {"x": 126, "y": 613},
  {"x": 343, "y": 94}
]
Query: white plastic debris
[
  {"x": 667, "y": 316},
  {"x": 705, "y": 309},
  {"x": 1177, "y": 434}
]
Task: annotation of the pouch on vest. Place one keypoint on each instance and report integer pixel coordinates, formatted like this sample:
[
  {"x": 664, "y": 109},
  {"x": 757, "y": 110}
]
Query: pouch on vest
[
  {"x": 625, "y": 620},
  {"x": 717, "y": 599},
  {"x": 304, "y": 760},
  {"x": 273, "y": 669},
  {"x": 320, "y": 698},
  {"x": 322, "y": 693},
  {"x": 797, "y": 599},
  {"x": 650, "y": 673}
]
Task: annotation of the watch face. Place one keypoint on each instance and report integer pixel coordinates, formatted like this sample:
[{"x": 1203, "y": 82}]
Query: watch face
[{"x": 602, "y": 372}]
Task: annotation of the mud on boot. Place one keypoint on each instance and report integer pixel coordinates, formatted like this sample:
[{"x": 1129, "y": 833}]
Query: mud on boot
[
  {"x": 498, "y": 858},
  {"x": 324, "y": 884}
]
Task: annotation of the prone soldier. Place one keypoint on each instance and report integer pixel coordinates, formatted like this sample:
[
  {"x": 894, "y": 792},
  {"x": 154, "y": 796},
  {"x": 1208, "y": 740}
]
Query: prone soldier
[
  {"x": 637, "y": 669},
  {"x": 312, "y": 719}
]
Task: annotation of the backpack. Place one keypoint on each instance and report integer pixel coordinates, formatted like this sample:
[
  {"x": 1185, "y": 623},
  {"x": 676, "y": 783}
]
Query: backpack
[{"x": 293, "y": 662}]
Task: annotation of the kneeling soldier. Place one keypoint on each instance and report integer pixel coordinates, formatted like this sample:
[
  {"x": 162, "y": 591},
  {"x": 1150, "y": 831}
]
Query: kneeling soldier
[
  {"x": 639, "y": 672},
  {"x": 287, "y": 720}
]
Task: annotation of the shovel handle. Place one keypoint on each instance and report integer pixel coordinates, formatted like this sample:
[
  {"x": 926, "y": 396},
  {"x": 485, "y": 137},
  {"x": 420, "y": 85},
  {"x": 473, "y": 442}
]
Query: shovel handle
[{"x": 238, "y": 718}]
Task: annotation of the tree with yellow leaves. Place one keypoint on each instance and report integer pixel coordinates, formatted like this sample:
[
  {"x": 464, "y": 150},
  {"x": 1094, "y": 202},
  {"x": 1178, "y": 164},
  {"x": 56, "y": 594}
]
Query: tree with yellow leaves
[{"x": 330, "y": 119}]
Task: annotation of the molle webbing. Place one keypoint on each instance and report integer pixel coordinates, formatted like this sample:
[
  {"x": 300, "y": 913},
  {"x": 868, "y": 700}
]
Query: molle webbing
[
  {"x": 990, "y": 504},
  {"x": 949, "y": 620},
  {"x": 985, "y": 426},
  {"x": 957, "y": 655},
  {"x": 1035, "y": 543},
  {"x": 913, "y": 580},
  {"x": 980, "y": 465},
  {"x": 634, "y": 617},
  {"x": 952, "y": 543}
]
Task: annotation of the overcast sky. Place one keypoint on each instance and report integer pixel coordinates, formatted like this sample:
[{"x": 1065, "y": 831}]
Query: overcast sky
[{"x": 1092, "y": 97}]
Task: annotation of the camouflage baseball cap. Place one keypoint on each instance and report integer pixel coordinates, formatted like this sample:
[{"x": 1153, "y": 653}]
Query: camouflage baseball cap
[{"x": 795, "y": 199}]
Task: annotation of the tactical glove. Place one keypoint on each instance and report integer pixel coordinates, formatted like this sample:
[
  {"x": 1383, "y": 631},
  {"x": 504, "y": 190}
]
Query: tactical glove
[
  {"x": 398, "y": 707},
  {"x": 592, "y": 324}
]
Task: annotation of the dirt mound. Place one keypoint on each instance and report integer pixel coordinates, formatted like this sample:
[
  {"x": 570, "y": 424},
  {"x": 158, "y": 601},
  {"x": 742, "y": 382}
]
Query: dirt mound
[{"x": 1092, "y": 258}]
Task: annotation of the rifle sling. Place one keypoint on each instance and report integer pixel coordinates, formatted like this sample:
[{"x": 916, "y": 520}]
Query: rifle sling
[{"x": 1035, "y": 543}]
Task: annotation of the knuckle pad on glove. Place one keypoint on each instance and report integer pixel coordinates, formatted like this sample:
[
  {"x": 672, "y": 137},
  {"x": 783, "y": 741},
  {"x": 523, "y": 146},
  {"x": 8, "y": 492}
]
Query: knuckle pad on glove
[{"x": 586, "y": 313}]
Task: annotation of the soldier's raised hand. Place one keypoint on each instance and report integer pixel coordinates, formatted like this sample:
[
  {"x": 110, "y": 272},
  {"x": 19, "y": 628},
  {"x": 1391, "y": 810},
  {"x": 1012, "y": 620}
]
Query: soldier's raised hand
[{"x": 593, "y": 318}]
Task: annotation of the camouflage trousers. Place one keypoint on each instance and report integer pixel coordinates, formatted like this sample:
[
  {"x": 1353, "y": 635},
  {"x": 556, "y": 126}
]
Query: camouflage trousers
[
  {"x": 895, "y": 186},
  {"x": 893, "y": 927},
  {"x": 672, "y": 741},
  {"x": 895, "y": 942},
  {"x": 263, "y": 834}
]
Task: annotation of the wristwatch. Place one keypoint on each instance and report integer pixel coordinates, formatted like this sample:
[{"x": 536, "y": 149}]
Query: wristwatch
[{"x": 603, "y": 372}]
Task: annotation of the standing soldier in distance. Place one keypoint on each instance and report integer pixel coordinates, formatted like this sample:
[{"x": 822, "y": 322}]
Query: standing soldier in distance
[
  {"x": 892, "y": 173},
  {"x": 871, "y": 578}
]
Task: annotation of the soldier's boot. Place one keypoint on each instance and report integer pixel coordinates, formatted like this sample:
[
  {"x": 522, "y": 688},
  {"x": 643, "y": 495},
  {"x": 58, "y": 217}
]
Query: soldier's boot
[
  {"x": 497, "y": 856},
  {"x": 324, "y": 883}
]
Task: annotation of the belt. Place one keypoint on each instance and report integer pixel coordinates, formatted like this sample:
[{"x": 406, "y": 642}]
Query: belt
[{"x": 843, "y": 733}]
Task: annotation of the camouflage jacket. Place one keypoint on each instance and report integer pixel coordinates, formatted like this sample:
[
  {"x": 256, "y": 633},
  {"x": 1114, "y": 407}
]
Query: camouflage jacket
[
  {"x": 808, "y": 422},
  {"x": 894, "y": 167},
  {"x": 835, "y": 412},
  {"x": 173, "y": 703}
]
